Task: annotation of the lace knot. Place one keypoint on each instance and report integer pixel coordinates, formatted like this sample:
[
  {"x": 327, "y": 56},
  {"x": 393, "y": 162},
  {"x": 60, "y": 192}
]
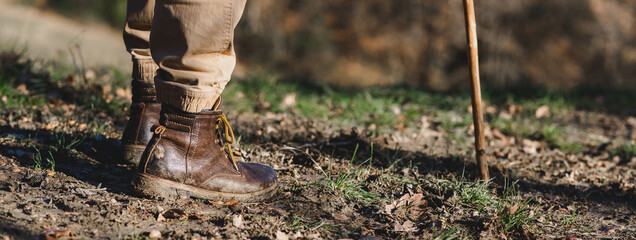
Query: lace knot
[{"x": 229, "y": 138}]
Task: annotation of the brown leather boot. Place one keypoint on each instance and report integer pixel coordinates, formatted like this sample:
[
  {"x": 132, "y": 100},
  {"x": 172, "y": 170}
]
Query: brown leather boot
[
  {"x": 144, "y": 112},
  {"x": 190, "y": 155}
]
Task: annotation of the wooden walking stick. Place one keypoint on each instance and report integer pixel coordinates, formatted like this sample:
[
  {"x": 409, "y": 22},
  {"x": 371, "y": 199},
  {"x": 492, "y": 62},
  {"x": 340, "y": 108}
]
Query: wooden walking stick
[{"x": 473, "y": 59}]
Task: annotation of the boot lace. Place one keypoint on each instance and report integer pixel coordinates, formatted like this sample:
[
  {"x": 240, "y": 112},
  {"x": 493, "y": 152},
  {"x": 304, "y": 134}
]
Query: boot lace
[
  {"x": 159, "y": 131},
  {"x": 227, "y": 139}
]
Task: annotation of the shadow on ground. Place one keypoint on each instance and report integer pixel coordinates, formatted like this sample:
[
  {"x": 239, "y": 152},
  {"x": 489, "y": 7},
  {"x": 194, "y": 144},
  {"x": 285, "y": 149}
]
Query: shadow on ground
[{"x": 94, "y": 160}]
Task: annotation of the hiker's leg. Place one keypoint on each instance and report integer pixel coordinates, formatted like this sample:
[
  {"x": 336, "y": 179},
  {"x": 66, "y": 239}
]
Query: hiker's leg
[
  {"x": 191, "y": 153},
  {"x": 137, "y": 39},
  {"x": 139, "y": 15},
  {"x": 192, "y": 42},
  {"x": 144, "y": 110}
]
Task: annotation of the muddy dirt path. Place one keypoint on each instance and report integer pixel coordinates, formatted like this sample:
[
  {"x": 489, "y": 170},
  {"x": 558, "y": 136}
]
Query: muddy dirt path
[
  {"x": 88, "y": 195},
  {"x": 574, "y": 178}
]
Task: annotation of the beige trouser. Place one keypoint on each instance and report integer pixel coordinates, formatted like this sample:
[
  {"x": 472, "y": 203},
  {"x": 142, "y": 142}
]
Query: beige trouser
[{"x": 192, "y": 43}]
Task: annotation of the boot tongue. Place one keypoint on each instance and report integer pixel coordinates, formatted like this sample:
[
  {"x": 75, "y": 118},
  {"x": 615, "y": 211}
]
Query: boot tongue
[
  {"x": 216, "y": 104},
  {"x": 215, "y": 107}
]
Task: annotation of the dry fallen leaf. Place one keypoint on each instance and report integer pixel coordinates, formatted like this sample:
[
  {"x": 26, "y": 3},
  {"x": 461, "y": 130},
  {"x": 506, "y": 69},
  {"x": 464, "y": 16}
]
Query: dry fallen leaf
[
  {"x": 262, "y": 104},
  {"x": 281, "y": 236},
  {"x": 631, "y": 121},
  {"x": 543, "y": 111},
  {"x": 425, "y": 129},
  {"x": 570, "y": 238},
  {"x": 15, "y": 170},
  {"x": 414, "y": 205},
  {"x": 407, "y": 226},
  {"x": 505, "y": 115},
  {"x": 237, "y": 221},
  {"x": 54, "y": 234},
  {"x": 51, "y": 125},
  {"x": 123, "y": 93},
  {"x": 340, "y": 216},
  {"x": 160, "y": 218},
  {"x": 491, "y": 109},
  {"x": 611, "y": 229},
  {"x": 175, "y": 213},
  {"x": 297, "y": 235},
  {"x": 23, "y": 89},
  {"x": 513, "y": 209},
  {"x": 498, "y": 134},
  {"x": 195, "y": 216},
  {"x": 530, "y": 146},
  {"x": 154, "y": 234},
  {"x": 289, "y": 100},
  {"x": 514, "y": 109},
  {"x": 90, "y": 74}
]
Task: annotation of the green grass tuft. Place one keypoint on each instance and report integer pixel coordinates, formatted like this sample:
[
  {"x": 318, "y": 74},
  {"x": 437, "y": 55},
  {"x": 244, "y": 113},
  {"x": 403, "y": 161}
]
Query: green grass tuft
[
  {"x": 349, "y": 184},
  {"x": 513, "y": 211}
]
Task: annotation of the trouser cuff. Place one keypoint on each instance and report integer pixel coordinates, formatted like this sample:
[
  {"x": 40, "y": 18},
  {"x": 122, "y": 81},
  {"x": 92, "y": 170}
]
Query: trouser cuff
[
  {"x": 187, "y": 101},
  {"x": 143, "y": 87}
]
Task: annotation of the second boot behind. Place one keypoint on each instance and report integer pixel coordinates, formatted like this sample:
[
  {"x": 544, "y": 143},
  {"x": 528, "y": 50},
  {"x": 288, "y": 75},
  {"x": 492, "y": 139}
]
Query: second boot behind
[{"x": 144, "y": 111}]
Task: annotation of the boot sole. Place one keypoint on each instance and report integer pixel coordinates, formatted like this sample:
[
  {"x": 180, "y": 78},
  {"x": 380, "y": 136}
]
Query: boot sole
[
  {"x": 132, "y": 153},
  {"x": 154, "y": 187}
]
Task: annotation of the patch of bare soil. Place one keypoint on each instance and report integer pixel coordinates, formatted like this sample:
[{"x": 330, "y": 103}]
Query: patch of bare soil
[{"x": 408, "y": 186}]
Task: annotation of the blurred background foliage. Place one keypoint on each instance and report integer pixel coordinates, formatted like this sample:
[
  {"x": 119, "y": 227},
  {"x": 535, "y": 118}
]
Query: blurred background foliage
[{"x": 558, "y": 44}]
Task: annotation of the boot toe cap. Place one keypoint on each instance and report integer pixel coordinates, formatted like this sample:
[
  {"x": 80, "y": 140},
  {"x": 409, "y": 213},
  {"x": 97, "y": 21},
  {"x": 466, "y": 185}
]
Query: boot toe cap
[
  {"x": 254, "y": 177},
  {"x": 260, "y": 174}
]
